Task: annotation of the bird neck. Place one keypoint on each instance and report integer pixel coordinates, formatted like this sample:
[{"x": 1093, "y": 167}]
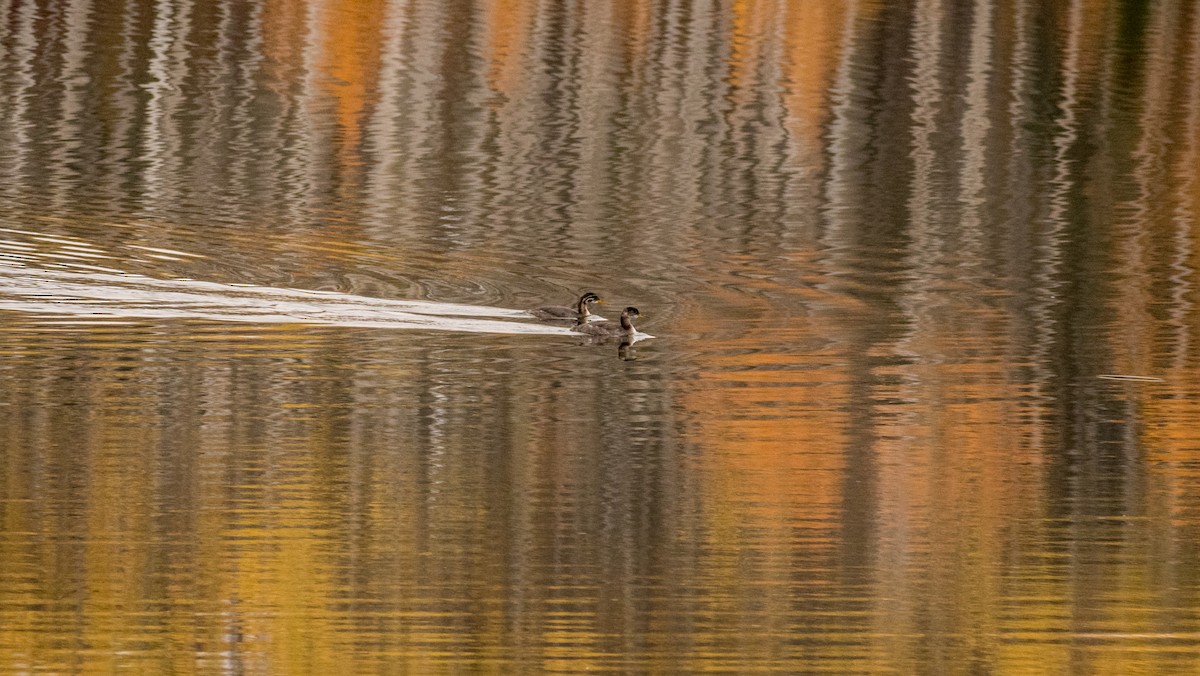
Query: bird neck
[
  {"x": 583, "y": 308},
  {"x": 626, "y": 322}
]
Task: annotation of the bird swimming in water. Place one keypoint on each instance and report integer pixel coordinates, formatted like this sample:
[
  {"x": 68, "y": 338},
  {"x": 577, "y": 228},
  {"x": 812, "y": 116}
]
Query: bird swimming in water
[
  {"x": 580, "y": 313},
  {"x": 623, "y": 329}
]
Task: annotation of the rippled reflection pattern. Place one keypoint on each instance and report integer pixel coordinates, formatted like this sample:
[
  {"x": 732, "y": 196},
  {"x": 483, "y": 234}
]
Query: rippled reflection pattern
[{"x": 923, "y": 397}]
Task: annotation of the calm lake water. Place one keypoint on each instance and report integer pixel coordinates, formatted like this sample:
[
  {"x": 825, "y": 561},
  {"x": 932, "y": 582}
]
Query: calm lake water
[{"x": 923, "y": 396}]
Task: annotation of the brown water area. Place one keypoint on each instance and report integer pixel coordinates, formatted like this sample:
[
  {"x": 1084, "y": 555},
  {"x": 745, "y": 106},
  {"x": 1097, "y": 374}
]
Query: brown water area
[{"x": 922, "y": 394}]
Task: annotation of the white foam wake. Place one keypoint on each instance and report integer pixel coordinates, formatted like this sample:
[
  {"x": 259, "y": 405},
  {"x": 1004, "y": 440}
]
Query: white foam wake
[{"x": 105, "y": 295}]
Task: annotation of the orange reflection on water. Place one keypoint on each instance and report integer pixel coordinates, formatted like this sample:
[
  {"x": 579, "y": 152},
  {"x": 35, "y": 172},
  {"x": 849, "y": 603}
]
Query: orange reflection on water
[{"x": 888, "y": 249}]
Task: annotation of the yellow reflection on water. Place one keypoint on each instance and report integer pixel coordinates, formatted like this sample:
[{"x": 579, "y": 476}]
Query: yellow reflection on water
[{"x": 922, "y": 401}]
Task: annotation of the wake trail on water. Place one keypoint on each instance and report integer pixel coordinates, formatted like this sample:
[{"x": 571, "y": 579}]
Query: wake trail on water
[{"x": 115, "y": 295}]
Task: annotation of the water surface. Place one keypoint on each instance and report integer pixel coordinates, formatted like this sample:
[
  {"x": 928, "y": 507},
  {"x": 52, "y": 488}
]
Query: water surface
[{"x": 922, "y": 397}]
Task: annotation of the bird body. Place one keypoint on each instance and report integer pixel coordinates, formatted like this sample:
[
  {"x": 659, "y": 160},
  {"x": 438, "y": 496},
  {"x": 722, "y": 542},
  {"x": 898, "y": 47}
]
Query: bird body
[
  {"x": 622, "y": 329},
  {"x": 579, "y": 313}
]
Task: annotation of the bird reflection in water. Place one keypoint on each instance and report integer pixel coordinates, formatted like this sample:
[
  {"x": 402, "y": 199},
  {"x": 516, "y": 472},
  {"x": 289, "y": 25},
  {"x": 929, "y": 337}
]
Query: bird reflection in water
[{"x": 625, "y": 351}]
